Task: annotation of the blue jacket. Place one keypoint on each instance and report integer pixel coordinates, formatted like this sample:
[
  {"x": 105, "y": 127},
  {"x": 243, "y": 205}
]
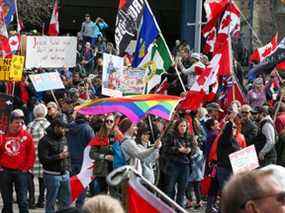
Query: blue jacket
[{"x": 79, "y": 135}]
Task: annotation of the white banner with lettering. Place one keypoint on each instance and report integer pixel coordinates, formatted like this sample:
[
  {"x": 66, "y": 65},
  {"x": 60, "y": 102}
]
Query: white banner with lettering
[{"x": 50, "y": 51}]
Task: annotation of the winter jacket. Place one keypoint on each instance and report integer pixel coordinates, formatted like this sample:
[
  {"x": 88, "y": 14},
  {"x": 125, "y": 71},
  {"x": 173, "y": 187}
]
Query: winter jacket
[
  {"x": 100, "y": 147},
  {"x": 249, "y": 130},
  {"x": 78, "y": 137},
  {"x": 49, "y": 149},
  {"x": 134, "y": 154},
  {"x": 226, "y": 146},
  {"x": 17, "y": 151},
  {"x": 148, "y": 163},
  {"x": 172, "y": 143}
]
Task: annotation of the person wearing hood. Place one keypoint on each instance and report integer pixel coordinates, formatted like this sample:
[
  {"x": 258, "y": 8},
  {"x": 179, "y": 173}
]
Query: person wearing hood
[
  {"x": 79, "y": 135},
  {"x": 54, "y": 156},
  {"x": 256, "y": 96}
]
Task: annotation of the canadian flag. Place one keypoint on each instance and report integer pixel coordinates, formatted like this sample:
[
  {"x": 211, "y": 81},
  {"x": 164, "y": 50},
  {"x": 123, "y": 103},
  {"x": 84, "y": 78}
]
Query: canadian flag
[
  {"x": 261, "y": 53},
  {"x": 223, "y": 47},
  {"x": 205, "y": 86},
  {"x": 53, "y": 29},
  {"x": 5, "y": 50},
  {"x": 229, "y": 24},
  {"x": 141, "y": 199},
  {"x": 210, "y": 41},
  {"x": 79, "y": 182},
  {"x": 214, "y": 8},
  {"x": 14, "y": 42}
]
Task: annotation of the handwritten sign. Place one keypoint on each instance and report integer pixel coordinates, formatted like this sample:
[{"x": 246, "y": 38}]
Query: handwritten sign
[
  {"x": 5, "y": 64},
  {"x": 46, "y": 81},
  {"x": 244, "y": 160},
  {"x": 17, "y": 67},
  {"x": 50, "y": 51}
]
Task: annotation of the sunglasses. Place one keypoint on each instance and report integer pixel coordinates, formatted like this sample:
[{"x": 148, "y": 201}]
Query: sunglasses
[
  {"x": 234, "y": 127},
  {"x": 109, "y": 121},
  {"x": 280, "y": 197},
  {"x": 244, "y": 113}
]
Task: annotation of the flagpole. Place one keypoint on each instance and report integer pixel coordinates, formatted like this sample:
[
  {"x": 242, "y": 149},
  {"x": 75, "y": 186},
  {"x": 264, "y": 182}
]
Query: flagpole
[
  {"x": 18, "y": 28},
  {"x": 154, "y": 19}
]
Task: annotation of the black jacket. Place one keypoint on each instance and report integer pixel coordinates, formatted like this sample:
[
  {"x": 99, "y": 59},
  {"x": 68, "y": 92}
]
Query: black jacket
[
  {"x": 172, "y": 143},
  {"x": 49, "y": 149},
  {"x": 226, "y": 146},
  {"x": 249, "y": 130}
]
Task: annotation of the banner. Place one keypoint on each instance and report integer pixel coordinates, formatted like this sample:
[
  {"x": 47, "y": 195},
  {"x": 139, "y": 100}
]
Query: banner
[
  {"x": 244, "y": 160},
  {"x": 50, "y": 52},
  {"x": 128, "y": 19},
  {"x": 46, "y": 81},
  {"x": 112, "y": 75}
]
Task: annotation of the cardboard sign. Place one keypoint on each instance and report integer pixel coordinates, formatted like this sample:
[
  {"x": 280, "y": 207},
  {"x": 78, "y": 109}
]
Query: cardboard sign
[
  {"x": 5, "y": 64},
  {"x": 50, "y": 51},
  {"x": 133, "y": 81},
  {"x": 17, "y": 67},
  {"x": 46, "y": 81},
  {"x": 112, "y": 75},
  {"x": 244, "y": 160}
]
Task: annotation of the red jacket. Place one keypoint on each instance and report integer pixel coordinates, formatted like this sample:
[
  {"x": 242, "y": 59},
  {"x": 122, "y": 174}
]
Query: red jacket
[{"x": 17, "y": 151}]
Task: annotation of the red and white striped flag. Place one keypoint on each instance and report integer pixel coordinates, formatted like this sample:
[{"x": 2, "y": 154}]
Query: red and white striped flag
[
  {"x": 53, "y": 29},
  {"x": 261, "y": 53},
  {"x": 79, "y": 182}
]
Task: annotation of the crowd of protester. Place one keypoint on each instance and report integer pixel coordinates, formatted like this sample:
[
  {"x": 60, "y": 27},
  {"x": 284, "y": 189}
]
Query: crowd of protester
[{"x": 46, "y": 138}]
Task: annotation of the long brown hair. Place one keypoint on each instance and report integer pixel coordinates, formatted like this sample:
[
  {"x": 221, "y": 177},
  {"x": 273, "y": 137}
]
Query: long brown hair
[{"x": 104, "y": 131}]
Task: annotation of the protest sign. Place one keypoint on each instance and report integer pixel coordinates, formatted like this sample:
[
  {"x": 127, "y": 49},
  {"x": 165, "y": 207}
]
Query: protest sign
[
  {"x": 50, "y": 51},
  {"x": 11, "y": 69},
  {"x": 46, "y": 81},
  {"x": 244, "y": 160},
  {"x": 5, "y": 69},
  {"x": 133, "y": 81},
  {"x": 17, "y": 67},
  {"x": 112, "y": 75}
]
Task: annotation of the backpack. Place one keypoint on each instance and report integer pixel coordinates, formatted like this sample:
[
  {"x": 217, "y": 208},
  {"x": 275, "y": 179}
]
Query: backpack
[{"x": 119, "y": 159}]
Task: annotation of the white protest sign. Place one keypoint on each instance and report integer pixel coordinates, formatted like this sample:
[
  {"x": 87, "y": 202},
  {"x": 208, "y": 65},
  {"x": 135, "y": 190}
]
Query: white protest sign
[
  {"x": 46, "y": 81},
  {"x": 244, "y": 160},
  {"x": 112, "y": 75},
  {"x": 50, "y": 51}
]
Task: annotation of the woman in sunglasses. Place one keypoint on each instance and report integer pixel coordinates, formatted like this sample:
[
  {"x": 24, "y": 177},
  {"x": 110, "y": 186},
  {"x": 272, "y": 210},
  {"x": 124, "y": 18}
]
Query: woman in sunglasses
[{"x": 102, "y": 152}]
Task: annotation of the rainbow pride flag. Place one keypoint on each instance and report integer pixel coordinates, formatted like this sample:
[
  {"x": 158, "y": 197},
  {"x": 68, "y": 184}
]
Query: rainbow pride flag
[{"x": 134, "y": 107}]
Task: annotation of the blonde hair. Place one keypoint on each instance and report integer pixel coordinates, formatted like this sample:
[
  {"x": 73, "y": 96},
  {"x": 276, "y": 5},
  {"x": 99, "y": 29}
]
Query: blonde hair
[{"x": 103, "y": 204}]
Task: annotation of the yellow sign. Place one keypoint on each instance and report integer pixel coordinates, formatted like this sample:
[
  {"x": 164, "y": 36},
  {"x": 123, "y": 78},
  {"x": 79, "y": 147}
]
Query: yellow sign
[
  {"x": 11, "y": 69},
  {"x": 5, "y": 69},
  {"x": 16, "y": 68}
]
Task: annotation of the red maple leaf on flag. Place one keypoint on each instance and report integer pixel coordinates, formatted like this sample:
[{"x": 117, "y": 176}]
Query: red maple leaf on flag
[
  {"x": 266, "y": 52},
  {"x": 226, "y": 22},
  {"x": 203, "y": 77},
  {"x": 211, "y": 36}
]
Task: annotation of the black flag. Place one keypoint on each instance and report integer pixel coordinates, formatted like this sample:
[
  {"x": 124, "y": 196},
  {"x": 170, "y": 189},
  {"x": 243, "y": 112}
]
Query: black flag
[{"x": 127, "y": 23}]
